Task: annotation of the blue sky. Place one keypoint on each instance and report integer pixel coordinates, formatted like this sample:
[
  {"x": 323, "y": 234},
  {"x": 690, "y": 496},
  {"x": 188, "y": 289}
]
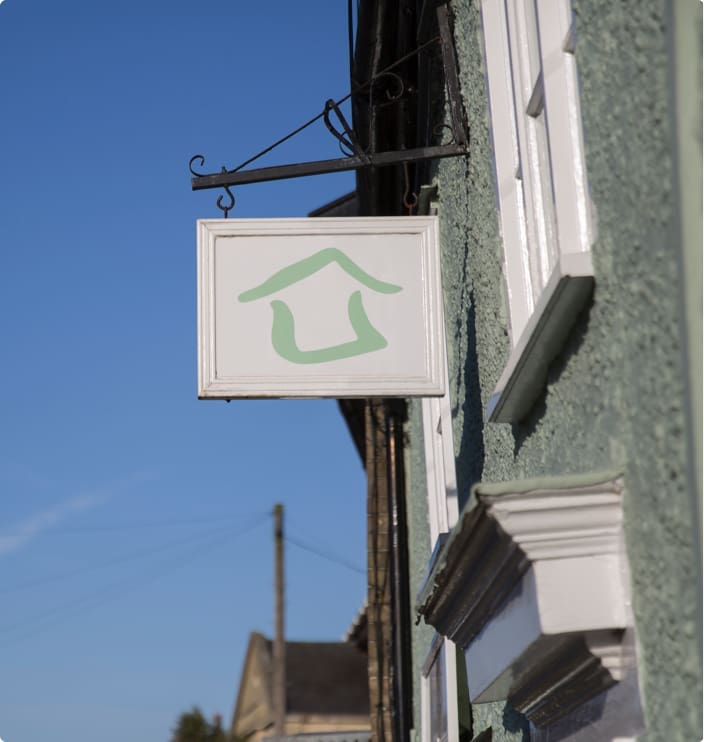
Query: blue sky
[{"x": 135, "y": 529}]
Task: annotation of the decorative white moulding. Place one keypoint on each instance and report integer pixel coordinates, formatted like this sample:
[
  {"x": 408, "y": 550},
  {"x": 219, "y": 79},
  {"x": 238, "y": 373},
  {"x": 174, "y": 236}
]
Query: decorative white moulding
[
  {"x": 319, "y": 308},
  {"x": 533, "y": 585}
]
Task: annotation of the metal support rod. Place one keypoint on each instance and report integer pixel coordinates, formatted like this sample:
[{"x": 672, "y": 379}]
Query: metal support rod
[
  {"x": 279, "y": 644},
  {"x": 350, "y": 141},
  {"x": 360, "y": 158},
  {"x": 318, "y": 167},
  {"x": 449, "y": 63}
]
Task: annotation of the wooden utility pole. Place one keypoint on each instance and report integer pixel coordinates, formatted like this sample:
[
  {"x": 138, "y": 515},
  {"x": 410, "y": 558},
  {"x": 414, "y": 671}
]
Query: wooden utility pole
[{"x": 279, "y": 645}]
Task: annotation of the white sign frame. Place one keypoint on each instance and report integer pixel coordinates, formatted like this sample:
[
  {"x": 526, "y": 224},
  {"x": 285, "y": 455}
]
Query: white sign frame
[{"x": 427, "y": 375}]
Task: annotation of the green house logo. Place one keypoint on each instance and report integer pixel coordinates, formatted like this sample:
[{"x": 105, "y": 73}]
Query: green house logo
[{"x": 283, "y": 331}]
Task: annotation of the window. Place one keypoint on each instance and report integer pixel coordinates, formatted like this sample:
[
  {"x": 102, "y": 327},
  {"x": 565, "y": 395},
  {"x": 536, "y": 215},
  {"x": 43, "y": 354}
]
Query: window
[
  {"x": 439, "y": 693},
  {"x": 439, "y": 465},
  {"x": 544, "y": 208},
  {"x": 439, "y": 703}
]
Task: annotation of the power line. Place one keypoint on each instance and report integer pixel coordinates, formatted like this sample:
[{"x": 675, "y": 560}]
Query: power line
[
  {"x": 122, "y": 558},
  {"x": 356, "y": 89},
  {"x": 324, "y": 554},
  {"x": 104, "y": 596},
  {"x": 145, "y": 524}
]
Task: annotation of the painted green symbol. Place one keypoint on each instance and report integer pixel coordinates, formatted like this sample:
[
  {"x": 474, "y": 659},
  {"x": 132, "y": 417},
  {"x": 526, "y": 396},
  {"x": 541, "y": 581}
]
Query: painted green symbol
[{"x": 283, "y": 334}]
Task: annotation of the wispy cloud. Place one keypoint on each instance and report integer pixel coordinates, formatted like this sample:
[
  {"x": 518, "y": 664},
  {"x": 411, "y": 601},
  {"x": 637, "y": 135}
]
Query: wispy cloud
[
  {"x": 19, "y": 535},
  {"x": 27, "y": 530}
]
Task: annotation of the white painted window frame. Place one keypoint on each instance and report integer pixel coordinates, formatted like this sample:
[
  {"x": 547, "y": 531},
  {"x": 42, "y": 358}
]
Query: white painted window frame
[
  {"x": 544, "y": 207},
  {"x": 441, "y": 481},
  {"x": 443, "y": 512},
  {"x": 446, "y": 647}
]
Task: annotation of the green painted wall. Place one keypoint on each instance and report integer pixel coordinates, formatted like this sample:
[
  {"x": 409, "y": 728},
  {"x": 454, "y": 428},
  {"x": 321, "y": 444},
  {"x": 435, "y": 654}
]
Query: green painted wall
[{"x": 616, "y": 397}]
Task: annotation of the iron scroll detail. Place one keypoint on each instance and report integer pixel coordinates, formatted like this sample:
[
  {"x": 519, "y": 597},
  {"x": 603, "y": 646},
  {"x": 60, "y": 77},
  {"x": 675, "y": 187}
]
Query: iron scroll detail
[
  {"x": 385, "y": 88},
  {"x": 219, "y": 203}
]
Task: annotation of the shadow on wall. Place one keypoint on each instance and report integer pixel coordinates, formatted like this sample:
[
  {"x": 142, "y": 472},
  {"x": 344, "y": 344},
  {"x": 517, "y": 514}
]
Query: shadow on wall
[
  {"x": 516, "y": 722},
  {"x": 470, "y": 461},
  {"x": 573, "y": 342}
]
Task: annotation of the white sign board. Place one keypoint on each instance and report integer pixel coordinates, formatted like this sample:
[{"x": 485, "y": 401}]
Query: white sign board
[{"x": 319, "y": 307}]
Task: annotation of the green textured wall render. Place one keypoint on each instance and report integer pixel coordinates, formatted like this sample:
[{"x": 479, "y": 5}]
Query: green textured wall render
[
  {"x": 622, "y": 57},
  {"x": 615, "y": 395}
]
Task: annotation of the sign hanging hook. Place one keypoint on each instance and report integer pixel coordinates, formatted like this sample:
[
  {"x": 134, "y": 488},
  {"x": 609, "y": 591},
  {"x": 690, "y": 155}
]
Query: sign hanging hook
[
  {"x": 410, "y": 199},
  {"x": 222, "y": 208}
]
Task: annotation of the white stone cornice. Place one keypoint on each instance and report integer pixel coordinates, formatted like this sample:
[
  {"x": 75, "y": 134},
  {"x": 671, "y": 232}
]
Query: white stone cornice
[
  {"x": 532, "y": 584},
  {"x": 562, "y": 522}
]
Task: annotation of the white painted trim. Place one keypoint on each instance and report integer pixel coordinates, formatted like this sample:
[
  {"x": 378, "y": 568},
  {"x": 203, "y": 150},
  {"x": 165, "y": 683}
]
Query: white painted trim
[
  {"x": 512, "y": 218},
  {"x": 446, "y": 647},
  {"x": 556, "y": 523},
  {"x": 523, "y": 378},
  {"x": 535, "y": 178},
  {"x": 443, "y": 510},
  {"x": 453, "y": 717},
  {"x": 533, "y": 585},
  {"x": 322, "y": 380},
  {"x": 565, "y": 127},
  {"x": 545, "y": 211},
  {"x": 424, "y": 708},
  {"x": 441, "y": 479}
]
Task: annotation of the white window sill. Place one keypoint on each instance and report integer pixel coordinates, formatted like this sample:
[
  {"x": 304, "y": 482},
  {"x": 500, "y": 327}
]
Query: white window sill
[{"x": 523, "y": 379}]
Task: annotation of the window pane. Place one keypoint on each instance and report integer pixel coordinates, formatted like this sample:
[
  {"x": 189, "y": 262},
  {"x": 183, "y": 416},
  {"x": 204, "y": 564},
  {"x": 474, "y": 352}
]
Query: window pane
[{"x": 438, "y": 698}]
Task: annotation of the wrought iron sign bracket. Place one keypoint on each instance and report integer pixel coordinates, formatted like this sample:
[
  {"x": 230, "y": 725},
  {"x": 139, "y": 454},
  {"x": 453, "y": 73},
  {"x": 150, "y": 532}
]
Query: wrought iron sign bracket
[{"x": 357, "y": 157}]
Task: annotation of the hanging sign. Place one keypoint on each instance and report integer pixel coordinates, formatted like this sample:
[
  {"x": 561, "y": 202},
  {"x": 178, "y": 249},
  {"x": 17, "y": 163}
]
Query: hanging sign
[{"x": 319, "y": 307}]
